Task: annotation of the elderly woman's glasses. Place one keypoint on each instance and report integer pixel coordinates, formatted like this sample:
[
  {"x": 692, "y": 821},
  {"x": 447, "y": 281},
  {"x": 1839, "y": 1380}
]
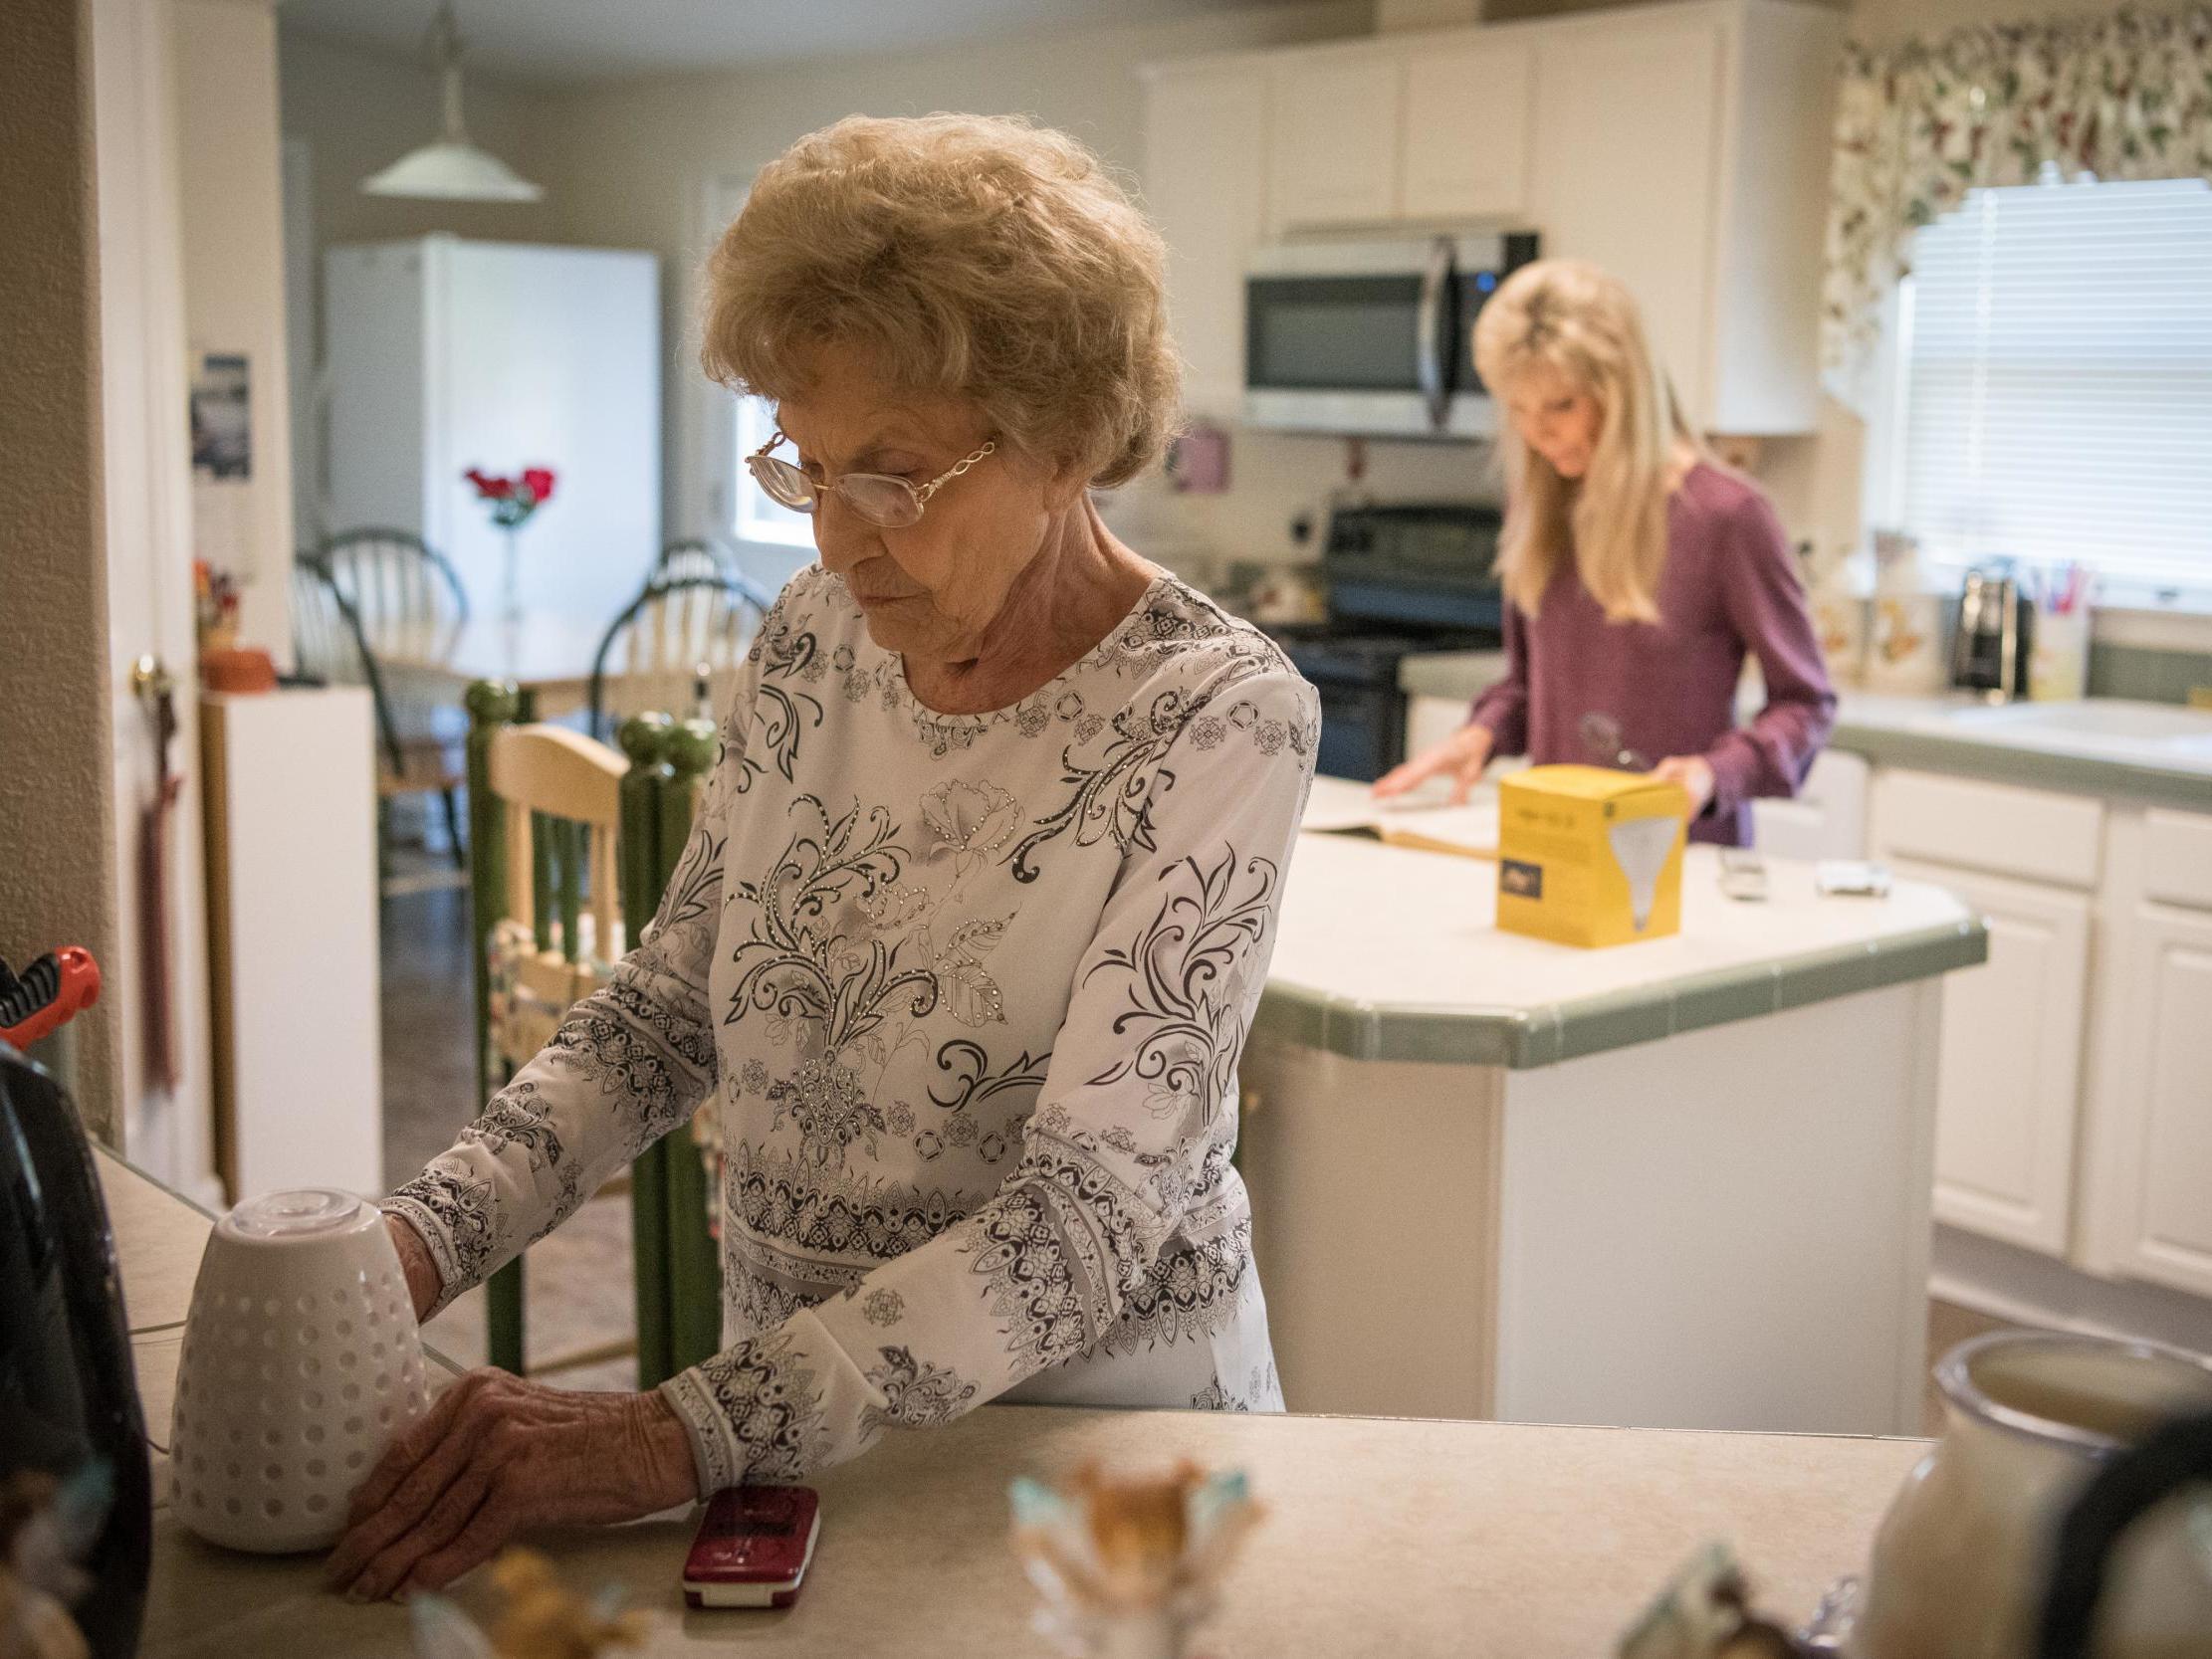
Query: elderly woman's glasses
[{"x": 880, "y": 498}]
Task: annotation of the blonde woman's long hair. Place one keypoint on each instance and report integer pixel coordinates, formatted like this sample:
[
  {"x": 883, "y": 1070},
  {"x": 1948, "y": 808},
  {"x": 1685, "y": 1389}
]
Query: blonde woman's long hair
[{"x": 1610, "y": 523}]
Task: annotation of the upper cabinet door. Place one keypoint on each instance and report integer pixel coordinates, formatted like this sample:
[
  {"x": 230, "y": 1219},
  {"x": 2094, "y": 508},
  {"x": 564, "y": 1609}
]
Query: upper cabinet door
[
  {"x": 1334, "y": 139},
  {"x": 1626, "y": 131},
  {"x": 1466, "y": 132},
  {"x": 1205, "y": 186}
]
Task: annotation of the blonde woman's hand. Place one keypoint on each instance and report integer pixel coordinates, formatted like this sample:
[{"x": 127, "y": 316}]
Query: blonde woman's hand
[
  {"x": 496, "y": 1454},
  {"x": 1693, "y": 774},
  {"x": 1461, "y": 756}
]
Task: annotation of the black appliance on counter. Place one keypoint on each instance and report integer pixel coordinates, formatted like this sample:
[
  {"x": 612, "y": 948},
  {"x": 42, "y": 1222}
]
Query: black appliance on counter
[
  {"x": 1401, "y": 580},
  {"x": 67, "y": 1396}
]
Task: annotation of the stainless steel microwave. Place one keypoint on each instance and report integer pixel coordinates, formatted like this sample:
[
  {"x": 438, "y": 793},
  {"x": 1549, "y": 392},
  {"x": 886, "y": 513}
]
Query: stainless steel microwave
[{"x": 1370, "y": 338}]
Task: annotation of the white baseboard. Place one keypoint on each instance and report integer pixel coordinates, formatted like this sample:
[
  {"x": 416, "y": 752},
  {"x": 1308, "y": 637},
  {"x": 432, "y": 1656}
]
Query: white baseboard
[{"x": 2019, "y": 1286}]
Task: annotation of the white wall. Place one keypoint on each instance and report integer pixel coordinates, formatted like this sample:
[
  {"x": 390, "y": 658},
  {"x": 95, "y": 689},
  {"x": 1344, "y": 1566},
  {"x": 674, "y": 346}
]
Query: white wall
[
  {"x": 632, "y": 165},
  {"x": 231, "y": 223},
  {"x": 358, "y": 110}
]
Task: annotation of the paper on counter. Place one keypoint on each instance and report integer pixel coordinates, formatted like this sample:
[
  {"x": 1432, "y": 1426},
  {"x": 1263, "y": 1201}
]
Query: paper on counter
[{"x": 1422, "y": 820}]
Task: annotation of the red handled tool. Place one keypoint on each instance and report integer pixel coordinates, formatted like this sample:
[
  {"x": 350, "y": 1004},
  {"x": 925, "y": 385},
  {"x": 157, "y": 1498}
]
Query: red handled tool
[{"x": 48, "y": 994}]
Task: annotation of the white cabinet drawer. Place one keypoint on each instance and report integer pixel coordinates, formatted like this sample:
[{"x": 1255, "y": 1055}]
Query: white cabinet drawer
[
  {"x": 1998, "y": 827},
  {"x": 2178, "y": 857}
]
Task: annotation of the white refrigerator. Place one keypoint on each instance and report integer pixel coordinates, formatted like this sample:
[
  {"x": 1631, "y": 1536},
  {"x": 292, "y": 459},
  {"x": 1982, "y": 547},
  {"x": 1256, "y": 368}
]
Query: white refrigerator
[{"x": 441, "y": 354}]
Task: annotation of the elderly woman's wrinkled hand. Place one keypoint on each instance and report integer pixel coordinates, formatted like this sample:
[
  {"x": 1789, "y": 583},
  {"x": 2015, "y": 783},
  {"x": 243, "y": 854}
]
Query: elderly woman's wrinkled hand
[{"x": 496, "y": 1454}]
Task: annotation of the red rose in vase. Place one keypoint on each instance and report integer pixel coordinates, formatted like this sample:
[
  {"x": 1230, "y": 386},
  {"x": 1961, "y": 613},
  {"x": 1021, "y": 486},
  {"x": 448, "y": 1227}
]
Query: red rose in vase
[{"x": 512, "y": 500}]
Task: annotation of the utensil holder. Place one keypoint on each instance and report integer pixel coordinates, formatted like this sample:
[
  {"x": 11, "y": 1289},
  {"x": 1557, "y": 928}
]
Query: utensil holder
[
  {"x": 300, "y": 1361},
  {"x": 2058, "y": 661}
]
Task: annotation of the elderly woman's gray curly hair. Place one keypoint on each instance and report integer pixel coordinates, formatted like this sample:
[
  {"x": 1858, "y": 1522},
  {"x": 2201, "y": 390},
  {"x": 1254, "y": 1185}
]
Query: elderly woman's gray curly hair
[{"x": 966, "y": 256}]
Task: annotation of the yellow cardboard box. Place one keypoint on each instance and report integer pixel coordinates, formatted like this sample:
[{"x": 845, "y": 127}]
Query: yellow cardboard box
[{"x": 1588, "y": 855}]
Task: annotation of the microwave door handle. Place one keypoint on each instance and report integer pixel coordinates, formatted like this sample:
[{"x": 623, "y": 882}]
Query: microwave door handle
[{"x": 1428, "y": 359}]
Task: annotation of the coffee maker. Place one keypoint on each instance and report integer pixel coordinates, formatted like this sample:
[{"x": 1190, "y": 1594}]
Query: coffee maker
[{"x": 1991, "y": 644}]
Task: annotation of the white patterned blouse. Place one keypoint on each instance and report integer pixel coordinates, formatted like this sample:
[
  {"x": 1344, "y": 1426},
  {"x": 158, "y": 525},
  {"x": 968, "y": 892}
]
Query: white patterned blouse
[{"x": 972, "y": 989}]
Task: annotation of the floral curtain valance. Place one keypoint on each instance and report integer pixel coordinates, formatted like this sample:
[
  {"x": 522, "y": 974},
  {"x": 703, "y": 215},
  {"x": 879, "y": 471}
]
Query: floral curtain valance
[{"x": 2123, "y": 96}]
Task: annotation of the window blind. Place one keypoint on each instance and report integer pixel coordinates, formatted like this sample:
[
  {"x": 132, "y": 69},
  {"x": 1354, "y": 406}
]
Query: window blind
[{"x": 2057, "y": 384}]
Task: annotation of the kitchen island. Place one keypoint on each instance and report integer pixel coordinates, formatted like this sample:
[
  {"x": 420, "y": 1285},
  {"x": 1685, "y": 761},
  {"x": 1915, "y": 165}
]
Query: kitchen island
[
  {"x": 1682, "y": 1183},
  {"x": 1383, "y": 1539}
]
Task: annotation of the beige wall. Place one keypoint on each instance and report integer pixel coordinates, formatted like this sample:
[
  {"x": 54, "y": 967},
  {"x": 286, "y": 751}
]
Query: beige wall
[
  {"x": 629, "y": 165},
  {"x": 359, "y": 110},
  {"x": 232, "y": 227},
  {"x": 57, "y": 791}
]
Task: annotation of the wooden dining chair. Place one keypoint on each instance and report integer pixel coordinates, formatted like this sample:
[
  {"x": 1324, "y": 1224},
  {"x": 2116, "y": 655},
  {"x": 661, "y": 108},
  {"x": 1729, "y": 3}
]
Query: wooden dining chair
[
  {"x": 678, "y": 632},
  {"x": 329, "y": 642},
  {"x": 408, "y": 599},
  {"x": 569, "y": 839},
  {"x": 693, "y": 557}
]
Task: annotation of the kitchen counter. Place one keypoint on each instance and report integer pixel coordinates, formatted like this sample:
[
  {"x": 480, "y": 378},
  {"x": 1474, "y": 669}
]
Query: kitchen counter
[
  {"x": 1384, "y": 1538},
  {"x": 1681, "y": 1183},
  {"x": 2156, "y": 753},
  {"x": 1388, "y": 954}
]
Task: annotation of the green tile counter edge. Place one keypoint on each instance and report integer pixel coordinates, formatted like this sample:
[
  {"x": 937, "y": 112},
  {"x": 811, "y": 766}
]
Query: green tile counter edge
[
  {"x": 2079, "y": 774},
  {"x": 1519, "y": 1039}
]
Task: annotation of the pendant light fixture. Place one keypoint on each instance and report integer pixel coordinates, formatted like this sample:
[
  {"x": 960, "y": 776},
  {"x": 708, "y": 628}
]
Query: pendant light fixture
[{"x": 451, "y": 168}]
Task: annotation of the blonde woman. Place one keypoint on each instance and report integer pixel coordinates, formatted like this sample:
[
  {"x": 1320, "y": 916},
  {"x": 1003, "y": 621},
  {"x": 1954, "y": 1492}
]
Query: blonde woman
[
  {"x": 976, "y": 909},
  {"x": 1638, "y": 574}
]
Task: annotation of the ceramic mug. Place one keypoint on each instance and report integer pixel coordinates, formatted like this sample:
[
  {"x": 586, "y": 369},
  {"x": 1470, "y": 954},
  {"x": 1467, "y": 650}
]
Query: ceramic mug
[
  {"x": 300, "y": 1361},
  {"x": 1962, "y": 1559}
]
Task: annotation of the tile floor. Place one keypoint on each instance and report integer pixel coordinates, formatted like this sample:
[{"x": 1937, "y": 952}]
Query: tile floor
[{"x": 577, "y": 1281}]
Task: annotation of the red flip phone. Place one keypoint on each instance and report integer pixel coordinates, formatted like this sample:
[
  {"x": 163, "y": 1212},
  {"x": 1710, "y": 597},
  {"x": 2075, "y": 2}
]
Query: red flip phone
[{"x": 752, "y": 1546}]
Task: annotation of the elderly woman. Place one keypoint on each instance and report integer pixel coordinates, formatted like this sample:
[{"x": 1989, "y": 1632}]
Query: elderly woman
[{"x": 978, "y": 906}]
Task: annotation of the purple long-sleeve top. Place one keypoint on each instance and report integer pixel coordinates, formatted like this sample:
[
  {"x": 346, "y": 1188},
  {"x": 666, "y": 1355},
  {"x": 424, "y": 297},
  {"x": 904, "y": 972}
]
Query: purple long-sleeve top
[{"x": 1727, "y": 588}]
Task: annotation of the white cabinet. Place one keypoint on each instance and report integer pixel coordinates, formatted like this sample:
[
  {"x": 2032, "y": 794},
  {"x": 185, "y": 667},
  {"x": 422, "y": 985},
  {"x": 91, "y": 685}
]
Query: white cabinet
[
  {"x": 1685, "y": 146},
  {"x": 1333, "y": 135},
  {"x": 1430, "y": 719},
  {"x": 2008, "y": 1087},
  {"x": 2010, "y": 1090},
  {"x": 291, "y": 800},
  {"x": 1825, "y": 818},
  {"x": 2163, "y": 1207},
  {"x": 2151, "y": 1200},
  {"x": 1626, "y": 127},
  {"x": 2074, "y": 1091},
  {"x": 1466, "y": 131},
  {"x": 1206, "y": 170},
  {"x": 1686, "y": 149}
]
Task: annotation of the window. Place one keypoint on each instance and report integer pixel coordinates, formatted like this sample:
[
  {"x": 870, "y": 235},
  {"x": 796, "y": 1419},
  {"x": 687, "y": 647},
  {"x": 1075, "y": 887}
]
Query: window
[
  {"x": 2054, "y": 391},
  {"x": 758, "y": 517}
]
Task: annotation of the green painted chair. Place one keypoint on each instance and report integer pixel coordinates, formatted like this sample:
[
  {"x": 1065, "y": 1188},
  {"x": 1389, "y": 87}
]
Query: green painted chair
[{"x": 567, "y": 840}]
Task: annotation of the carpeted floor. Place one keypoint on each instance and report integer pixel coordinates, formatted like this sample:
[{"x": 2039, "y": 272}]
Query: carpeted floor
[{"x": 577, "y": 1281}]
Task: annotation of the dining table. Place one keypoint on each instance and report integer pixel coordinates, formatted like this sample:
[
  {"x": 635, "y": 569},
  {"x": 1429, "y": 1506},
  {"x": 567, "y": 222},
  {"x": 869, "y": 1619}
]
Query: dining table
[
  {"x": 545, "y": 655},
  {"x": 1381, "y": 1537}
]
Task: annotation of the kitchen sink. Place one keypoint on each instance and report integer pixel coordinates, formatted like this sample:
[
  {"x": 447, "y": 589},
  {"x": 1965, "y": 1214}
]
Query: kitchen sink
[{"x": 2165, "y": 727}]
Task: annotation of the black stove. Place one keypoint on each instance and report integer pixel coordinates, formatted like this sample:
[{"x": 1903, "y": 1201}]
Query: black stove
[{"x": 1401, "y": 580}]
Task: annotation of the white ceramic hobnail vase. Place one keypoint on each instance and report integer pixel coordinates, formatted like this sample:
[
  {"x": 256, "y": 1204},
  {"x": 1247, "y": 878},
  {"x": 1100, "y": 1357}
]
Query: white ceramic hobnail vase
[{"x": 300, "y": 1361}]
